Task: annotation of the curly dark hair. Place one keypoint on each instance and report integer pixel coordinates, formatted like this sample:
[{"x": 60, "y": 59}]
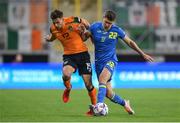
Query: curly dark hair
[{"x": 56, "y": 14}]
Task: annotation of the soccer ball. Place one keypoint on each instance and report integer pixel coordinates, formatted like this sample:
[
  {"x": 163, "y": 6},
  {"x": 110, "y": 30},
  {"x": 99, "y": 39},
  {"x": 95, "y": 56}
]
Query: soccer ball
[{"x": 100, "y": 109}]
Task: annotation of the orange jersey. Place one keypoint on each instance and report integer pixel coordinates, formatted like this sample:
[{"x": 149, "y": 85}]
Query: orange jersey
[{"x": 69, "y": 37}]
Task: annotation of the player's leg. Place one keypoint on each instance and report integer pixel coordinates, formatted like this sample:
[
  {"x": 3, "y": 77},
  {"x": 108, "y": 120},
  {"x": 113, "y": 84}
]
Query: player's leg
[
  {"x": 104, "y": 76},
  {"x": 113, "y": 96},
  {"x": 67, "y": 71},
  {"x": 85, "y": 70},
  {"x": 117, "y": 99},
  {"x": 91, "y": 91},
  {"x": 68, "y": 68},
  {"x": 89, "y": 86}
]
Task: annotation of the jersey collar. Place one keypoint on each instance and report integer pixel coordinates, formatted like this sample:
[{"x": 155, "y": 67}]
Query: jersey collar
[{"x": 102, "y": 28}]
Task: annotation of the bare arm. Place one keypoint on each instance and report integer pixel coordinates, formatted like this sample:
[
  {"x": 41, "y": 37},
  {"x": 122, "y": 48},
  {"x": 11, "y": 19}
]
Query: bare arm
[
  {"x": 134, "y": 46},
  {"x": 83, "y": 29},
  {"x": 85, "y": 23}
]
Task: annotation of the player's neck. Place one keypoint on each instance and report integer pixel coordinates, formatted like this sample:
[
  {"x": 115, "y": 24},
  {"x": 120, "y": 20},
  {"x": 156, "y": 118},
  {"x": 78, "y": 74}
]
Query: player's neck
[
  {"x": 107, "y": 29},
  {"x": 60, "y": 28}
]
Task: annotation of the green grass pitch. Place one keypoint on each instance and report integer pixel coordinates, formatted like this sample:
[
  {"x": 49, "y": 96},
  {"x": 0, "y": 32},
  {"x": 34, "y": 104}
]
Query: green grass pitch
[{"x": 150, "y": 105}]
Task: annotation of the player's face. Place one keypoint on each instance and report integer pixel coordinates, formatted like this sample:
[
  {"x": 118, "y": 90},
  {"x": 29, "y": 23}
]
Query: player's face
[
  {"x": 58, "y": 22},
  {"x": 107, "y": 24}
]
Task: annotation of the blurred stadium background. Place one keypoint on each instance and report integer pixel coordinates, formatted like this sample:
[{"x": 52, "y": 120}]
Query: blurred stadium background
[{"x": 153, "y": 24}]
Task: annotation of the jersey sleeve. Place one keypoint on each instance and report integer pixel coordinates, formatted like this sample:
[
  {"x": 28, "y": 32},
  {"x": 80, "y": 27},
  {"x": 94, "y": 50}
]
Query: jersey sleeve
[{"x": 121, "y": 33}]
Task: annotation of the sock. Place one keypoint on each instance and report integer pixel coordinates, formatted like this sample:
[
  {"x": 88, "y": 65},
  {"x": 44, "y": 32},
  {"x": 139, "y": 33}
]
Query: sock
[
  {"x": 101, "y": 93},
  {"x": 67, "y": 83},
  {"x": 117, "y": 99},
  {"x": 92, "y": 95}
]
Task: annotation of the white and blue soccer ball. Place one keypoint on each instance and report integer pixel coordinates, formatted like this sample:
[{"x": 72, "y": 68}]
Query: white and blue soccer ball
[{"x": 101, "y": 109}]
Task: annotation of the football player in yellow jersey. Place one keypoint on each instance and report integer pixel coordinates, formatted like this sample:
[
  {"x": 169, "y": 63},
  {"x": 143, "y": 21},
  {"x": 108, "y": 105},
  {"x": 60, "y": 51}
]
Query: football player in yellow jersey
[{"x": 75, "y": 55}]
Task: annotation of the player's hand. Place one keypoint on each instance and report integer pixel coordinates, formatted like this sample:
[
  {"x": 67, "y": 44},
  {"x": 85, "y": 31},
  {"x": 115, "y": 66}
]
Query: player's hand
[
  {"x": 81, "y": 28},
  {"x": 148, "y": 58},
  {"x": 48, "y": 37}
]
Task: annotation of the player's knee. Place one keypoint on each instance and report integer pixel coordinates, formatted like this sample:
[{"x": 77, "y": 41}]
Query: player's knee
[
  {"x": 68, "y": 70},
  {"x": 105, "y": 76},
  {"x": 66, "y": 74}
]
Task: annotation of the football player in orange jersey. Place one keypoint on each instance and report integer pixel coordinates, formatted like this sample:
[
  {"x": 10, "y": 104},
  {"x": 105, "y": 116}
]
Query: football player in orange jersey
[{"x": 75, "y": 55}]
